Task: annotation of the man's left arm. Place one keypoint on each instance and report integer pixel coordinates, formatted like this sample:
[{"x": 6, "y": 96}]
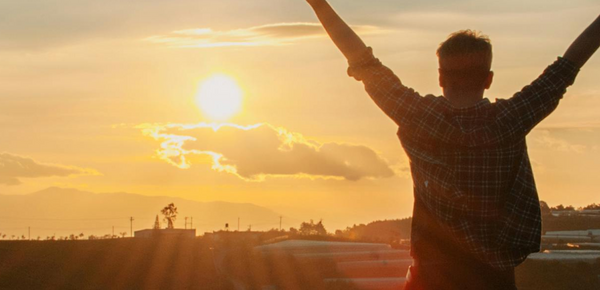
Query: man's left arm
[
  {"x": 384, "y": 87},
  {"x": 347, "y": 41}
]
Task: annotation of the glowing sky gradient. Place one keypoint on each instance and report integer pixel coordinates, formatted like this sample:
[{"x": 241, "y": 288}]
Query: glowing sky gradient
[{"x": 100, "y": 96}]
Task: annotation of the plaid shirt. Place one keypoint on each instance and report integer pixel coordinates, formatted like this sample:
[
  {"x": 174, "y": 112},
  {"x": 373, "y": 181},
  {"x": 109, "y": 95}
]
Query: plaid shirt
[{"x": 473, "y": 182}]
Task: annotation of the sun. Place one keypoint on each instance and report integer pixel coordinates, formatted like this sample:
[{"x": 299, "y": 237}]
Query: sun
[{"x": 219, "y": 97}]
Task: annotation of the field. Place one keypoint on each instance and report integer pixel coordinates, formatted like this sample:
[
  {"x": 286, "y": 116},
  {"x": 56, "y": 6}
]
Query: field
[
  {"x": 108, "y": 264},
  {"x": 169, "y": 263}
]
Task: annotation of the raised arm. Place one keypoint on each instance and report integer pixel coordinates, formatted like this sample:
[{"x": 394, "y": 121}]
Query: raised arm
[
  {"x": 585, "y": 45},
  {"x": 384, "y": 87},
  {"x": 530, "y": 106},
  {"x": 348, "y": 42}
]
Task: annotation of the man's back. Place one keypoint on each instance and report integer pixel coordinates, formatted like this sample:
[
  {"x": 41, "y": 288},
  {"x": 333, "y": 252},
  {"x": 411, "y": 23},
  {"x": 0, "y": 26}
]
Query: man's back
[
  {"x": 470, "y": 167},
  {"x": 485, "y": 177}
]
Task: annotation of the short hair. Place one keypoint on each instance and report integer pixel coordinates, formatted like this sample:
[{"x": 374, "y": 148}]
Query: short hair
[
  {"x": 467, "y": 42},
  {"x": 471, "y": 44}
]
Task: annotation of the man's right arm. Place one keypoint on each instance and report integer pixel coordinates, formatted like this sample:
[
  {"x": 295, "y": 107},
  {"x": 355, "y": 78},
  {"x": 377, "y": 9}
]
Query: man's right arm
[
  {"x": 585, "y": 45},
  {"x": 520, "y": 114}
]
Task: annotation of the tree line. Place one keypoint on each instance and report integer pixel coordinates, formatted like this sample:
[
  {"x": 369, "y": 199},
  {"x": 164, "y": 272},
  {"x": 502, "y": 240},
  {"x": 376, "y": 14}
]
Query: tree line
[{"x": 561, "y": 207}]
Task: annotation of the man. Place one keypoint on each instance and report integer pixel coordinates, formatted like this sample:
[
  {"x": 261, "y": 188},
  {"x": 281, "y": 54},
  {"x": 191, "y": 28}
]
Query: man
[{"x": 476, "y": 213}]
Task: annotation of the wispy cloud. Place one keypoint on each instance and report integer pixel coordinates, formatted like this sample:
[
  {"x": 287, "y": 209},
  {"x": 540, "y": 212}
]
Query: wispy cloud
[
  {"x": 256, "y": 152},
  {"x": 14, "y": 167},
  {"x": 264, "y": 35},
  {"x": 546, "y": 139}
]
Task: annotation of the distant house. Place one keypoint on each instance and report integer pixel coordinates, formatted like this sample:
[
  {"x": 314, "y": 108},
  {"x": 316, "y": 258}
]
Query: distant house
[
  {"x": 154, "y": 233},
  {"x": 158, "y": 232},
  {"x": 576, "y": 212},
  {"x": 590, "y": 212}
]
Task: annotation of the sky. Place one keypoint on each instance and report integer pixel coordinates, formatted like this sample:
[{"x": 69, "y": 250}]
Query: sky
[{"x": 102, "y": 96}]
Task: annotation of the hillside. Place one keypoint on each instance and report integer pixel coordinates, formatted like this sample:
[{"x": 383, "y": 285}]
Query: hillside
[{"x": 61, "y": 212}]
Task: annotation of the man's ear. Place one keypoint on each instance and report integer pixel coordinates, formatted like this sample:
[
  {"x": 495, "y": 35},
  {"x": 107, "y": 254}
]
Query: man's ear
[
  {"x": 489, "y": 80},
  {"x": 441, "y": 78}
]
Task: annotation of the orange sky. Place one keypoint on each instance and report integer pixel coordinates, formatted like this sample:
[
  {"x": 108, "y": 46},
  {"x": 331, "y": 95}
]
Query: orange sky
[{"x": 95, "y": 95}]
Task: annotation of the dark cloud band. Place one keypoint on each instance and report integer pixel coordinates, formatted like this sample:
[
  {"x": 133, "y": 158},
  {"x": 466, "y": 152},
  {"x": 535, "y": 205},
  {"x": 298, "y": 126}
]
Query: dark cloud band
[{"x": 14, "y": 167}]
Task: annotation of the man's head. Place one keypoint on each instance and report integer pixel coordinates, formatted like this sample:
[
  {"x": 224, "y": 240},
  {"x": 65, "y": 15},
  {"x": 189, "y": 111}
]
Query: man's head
[{"x": 465, "y": 60}]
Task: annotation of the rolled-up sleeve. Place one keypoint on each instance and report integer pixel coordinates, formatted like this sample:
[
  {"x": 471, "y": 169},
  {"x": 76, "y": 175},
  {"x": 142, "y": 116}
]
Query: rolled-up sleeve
[
  {"x": 397, "y": 101},
  {"x": 536, "y": 101}
]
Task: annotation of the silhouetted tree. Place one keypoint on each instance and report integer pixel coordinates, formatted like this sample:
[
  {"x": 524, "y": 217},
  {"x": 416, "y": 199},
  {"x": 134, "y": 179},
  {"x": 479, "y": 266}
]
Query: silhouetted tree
[
  {"x": 170, "y": 213},
  {"x": 320, "y": 228},
  {"x": 311, "y": 228},
  {"x": 545, "y": 208},
  {"x": 389, "y": 231}
]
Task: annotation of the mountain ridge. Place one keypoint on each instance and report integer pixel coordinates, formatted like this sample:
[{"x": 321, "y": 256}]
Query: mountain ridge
[{"x": 56, "y": 210}]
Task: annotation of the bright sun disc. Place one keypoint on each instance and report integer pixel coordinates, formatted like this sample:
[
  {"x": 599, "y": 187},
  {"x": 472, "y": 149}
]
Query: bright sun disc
[{"x": 219, "y": 97}]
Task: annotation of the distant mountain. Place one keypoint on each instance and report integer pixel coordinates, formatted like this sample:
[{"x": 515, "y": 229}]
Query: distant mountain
[{"x": 61, "y": 212}]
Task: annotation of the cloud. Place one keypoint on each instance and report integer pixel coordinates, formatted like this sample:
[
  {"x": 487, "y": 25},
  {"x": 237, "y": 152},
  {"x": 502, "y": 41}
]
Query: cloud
[
  {"x": 256, "y": 152},
  {"x": 546, "y": 139},
  {"x": 14, "y": 167},
  {"x": 264, "y": 35}
]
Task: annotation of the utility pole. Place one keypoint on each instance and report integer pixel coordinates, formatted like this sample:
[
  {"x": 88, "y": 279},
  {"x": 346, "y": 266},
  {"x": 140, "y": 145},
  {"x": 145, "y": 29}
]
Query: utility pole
[
  {"x": 280, "y": 218},
  {"x": 238, "y": 224},
  {"x": 113, "y": 233},
  {"x": 29, "y": 232},
  {"x": 131, "y": 226}
]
